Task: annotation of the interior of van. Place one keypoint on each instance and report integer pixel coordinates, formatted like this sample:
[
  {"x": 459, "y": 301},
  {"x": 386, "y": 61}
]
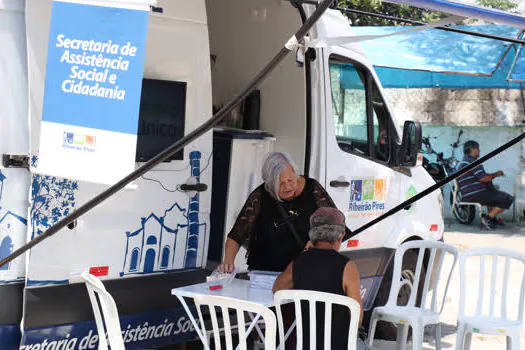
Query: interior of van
[{"x": 241, "y": 47}]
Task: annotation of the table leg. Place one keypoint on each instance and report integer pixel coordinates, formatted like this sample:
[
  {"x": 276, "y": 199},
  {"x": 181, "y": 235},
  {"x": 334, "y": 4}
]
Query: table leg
[
  {"x": 194, "y": 322},
  {"x": 287, "y": 335},
  {"x": 253, "y": 324}
]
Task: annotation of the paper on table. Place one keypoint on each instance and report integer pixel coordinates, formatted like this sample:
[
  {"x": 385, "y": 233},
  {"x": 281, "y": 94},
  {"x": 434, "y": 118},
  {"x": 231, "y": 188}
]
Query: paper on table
[{"x": 262, "y": 279}]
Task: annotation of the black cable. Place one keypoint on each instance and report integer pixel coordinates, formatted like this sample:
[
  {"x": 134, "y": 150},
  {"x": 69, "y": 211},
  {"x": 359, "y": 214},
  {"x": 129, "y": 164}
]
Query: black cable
[
  {"x": 307, "y": 2},
  {"x": 440, "y": 184},
  {"x": 448, "y": 29},
  {"x": 409, "y": 21},
  {"x": 178, "y": 145},
  {"x": 207, "y": 164},
  {"x": 177, "y": 189}
]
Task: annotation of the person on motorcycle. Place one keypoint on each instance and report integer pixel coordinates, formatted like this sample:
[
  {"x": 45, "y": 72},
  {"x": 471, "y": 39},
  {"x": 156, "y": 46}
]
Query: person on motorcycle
[{"x": 476, "y": 186}]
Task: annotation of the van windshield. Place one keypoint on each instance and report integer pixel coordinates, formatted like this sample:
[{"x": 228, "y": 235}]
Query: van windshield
[{"x": 349, "y": 111}]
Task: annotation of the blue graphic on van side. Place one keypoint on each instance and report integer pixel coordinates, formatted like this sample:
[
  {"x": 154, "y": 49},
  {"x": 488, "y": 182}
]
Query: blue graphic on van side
[
  {"x": 169, "y": 242},
  {"x": 9, "y": 222},
  {"x": 52, "y": 199},
  {"x": 193, "y": 216}
]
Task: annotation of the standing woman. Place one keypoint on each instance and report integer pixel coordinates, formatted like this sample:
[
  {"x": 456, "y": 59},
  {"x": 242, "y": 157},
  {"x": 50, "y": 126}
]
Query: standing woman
[{"x": 274, "y": 222}]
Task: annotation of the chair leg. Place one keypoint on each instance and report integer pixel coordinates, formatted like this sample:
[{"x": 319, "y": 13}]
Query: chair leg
[
  {"x": 402, "y": 336},
  {"x": 468, "y": 340},
  {"x": 480, "y": 216},
  {"x": 460, "y": 336},
  {"x": 418, "y": 332},
  {"x": 513, "y": 342},
  {"x": 372, "y": 331},
  {"x": 438, "y": 336}
]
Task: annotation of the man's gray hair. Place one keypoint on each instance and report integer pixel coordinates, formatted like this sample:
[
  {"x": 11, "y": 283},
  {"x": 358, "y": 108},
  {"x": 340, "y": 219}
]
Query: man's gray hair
[
  {"x": 326, "y": 233},
  {"x": 271, "y": 170}
]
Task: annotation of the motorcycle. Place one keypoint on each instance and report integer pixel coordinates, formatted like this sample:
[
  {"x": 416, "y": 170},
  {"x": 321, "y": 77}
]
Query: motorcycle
[{"x": 444, "y": 167}]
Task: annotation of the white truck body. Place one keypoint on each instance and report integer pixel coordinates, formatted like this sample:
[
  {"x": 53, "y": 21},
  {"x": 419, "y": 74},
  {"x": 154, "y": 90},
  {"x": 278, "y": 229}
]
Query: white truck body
[{"x": 152, "y": 236}]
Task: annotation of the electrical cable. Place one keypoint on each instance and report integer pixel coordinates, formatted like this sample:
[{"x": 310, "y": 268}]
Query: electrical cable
[{"x": 177, "y": 189}]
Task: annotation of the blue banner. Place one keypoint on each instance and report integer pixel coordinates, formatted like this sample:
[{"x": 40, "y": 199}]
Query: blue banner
[
  {"x": 94, "y": 66},
  {"x": 92, "y": 90}
]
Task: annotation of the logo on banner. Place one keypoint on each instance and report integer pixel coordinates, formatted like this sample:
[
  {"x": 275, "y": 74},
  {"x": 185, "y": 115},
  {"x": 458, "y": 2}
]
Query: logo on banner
[
  {"x": 367, "y": 197},
  {"x": 79, "y": 142}
]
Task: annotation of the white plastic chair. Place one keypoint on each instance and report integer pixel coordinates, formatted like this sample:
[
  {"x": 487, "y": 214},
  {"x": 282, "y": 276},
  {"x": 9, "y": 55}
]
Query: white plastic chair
[
  {"x": 256, "y": 311},
  {"x": 455, "y": 192},
  {"x": 479, "y": 322},
  {"x": 109, "y": 316},
  {"x": 313, "y": 298},
  {"x": 519, "y": 201},
  {"x": 414, "y": 314}
]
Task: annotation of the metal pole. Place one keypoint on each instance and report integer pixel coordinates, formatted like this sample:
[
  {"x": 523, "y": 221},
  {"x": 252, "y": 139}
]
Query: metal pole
[
  {"x": 409, "y": 21},
  {"x": 448, "y": 29},
  {"x": 441, "y": 183},
  {"x": 177, "y": 146}
]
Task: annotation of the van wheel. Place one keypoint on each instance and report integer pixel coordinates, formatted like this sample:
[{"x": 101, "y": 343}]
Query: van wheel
[{"x": 386, "y": 330}]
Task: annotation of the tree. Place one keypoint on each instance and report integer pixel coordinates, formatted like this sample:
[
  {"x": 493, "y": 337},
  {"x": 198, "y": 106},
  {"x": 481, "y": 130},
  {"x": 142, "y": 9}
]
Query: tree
[
  {"x": 505, "y": 5},
  {"x": 394, "y": 10}
]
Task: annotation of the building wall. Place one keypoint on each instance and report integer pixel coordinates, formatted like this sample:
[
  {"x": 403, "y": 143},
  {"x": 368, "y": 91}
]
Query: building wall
[
  {"x": 465, "y": 107},
  {"x": 489, "y": 116}
]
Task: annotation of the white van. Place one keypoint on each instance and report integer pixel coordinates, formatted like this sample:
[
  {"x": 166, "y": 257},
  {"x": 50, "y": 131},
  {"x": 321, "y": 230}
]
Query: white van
[{"x": 324, "y": 106}]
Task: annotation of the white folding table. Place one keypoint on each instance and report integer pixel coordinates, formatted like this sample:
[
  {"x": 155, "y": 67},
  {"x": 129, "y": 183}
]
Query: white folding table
[{"x": 237, "y": 289}]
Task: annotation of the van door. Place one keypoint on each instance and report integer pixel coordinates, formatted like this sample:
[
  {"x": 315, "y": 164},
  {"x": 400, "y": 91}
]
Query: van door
[
  {"x": 360, "y": 135},
  {"x": 359, "y": 148},
  {"x": 14, "y": 178}
]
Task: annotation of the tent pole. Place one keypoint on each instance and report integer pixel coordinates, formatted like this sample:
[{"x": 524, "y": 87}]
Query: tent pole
[
  {"x": 409, "y": 21},
  {"x": 448, "y": 29}
]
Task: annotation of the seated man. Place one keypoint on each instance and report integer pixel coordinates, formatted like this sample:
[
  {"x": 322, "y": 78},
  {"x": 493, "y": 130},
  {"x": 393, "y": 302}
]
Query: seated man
[
  {"x": 476, "y": 186},
  {"x": 323, "y": 269}
]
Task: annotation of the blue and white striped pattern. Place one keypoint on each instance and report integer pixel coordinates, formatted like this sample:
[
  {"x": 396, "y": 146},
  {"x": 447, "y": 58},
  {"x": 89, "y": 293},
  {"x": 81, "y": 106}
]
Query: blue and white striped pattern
[{"x": 470, "y": 184}]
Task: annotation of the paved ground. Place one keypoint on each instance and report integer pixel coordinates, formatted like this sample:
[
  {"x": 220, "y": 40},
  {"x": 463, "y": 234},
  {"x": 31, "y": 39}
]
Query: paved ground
[{"x": 465, "y": 237}]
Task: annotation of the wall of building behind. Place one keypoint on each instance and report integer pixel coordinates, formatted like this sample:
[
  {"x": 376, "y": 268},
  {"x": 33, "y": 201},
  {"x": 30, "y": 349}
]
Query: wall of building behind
[{"x": 489, "y": 116}]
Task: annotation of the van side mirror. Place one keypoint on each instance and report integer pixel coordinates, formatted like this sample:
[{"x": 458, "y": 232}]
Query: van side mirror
[{"x": 410, "y": 144}]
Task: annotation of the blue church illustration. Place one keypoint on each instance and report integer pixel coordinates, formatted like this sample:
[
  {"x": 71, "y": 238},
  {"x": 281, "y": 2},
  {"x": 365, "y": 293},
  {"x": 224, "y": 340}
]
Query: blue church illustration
[
  {"x": 168, "y": 242},
  {"x": 10, "y": 223}
]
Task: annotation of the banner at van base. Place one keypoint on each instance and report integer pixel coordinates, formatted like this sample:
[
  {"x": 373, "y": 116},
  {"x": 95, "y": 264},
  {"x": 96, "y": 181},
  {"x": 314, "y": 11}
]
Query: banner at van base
[
  {"x": 139, "y": 331},
  {"x": 92, "y": 90}
]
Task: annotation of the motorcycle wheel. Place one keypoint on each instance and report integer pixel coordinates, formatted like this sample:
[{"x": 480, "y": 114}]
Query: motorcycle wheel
[{"x": 465, "y": 214}]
